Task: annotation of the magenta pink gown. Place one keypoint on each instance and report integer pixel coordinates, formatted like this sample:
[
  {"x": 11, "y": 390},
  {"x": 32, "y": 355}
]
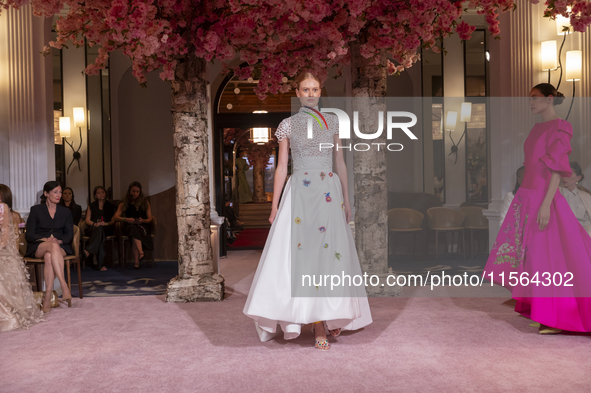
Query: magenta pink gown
[{"x": 559, "y": 295}]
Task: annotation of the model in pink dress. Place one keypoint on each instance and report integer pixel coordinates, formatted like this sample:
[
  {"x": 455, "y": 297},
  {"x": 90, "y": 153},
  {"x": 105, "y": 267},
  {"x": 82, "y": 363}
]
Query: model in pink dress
[{"x": 541, "y": 244}]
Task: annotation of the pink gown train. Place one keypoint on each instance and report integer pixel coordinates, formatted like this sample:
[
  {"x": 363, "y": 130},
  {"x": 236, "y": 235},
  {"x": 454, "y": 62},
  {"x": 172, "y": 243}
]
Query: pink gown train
[{"x": 558, "y": 255}]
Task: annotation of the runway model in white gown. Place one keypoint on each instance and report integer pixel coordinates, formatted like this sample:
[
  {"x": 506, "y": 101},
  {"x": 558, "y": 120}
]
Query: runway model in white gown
[{"x": 309, "y": 235}]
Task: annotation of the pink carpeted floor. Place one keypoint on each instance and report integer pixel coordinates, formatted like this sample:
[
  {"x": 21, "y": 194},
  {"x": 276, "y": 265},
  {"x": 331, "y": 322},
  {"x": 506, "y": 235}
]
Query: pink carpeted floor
[{"x": 142, "y": 344}]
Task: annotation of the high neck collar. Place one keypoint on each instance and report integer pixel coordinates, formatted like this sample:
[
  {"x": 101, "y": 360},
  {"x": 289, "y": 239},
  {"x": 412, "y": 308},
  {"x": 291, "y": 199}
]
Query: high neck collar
[{"x": 308, "y": 108}]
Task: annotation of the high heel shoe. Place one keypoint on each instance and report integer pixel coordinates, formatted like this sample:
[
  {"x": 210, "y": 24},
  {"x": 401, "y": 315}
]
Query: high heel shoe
[
  {"x": 141, "y": 258},
  {"x": 67, "y": 300},
  {"x": 321, "y": 344},
  {"x": 48, "y": 301}
]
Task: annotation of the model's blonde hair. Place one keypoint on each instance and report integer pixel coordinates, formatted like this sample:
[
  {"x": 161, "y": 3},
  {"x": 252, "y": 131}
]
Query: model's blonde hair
[{"x": 302, "y": 76}]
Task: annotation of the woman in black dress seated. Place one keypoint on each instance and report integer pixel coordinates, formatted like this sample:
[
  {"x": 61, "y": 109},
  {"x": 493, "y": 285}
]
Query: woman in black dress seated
[
  {"x": 136, "y": 213},
  {"x": 69, "y": 202},
  {"x": 99, "y": 225},
  {"x": 49, "y": 236}
]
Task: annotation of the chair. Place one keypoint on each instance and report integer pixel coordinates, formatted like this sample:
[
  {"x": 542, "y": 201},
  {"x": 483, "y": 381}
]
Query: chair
[
  {"x": 401, "y": 220},
  {"x": 420, "y": 202},
  {"x": 123, "y": 239},
  {"x": 475, "y": 220},
  {"x": 110, "y": 239},
  {"x": 444, "y": 219},
  {"x": 68, "y": 260}
]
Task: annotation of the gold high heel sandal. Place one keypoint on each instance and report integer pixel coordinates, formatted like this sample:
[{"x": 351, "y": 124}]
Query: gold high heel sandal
[
  {"x": 67, "y": 300},
  {"x": 323, "y": 345},
  {"x": 48, "y": 309}
]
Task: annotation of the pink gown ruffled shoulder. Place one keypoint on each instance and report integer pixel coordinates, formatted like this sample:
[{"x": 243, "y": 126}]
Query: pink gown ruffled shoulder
[{"x": 555, "y": 263}]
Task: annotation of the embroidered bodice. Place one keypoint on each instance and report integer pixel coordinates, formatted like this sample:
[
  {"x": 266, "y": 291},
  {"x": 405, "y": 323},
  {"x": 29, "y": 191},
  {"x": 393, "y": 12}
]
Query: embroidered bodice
[{"x": 306, "y": 153}]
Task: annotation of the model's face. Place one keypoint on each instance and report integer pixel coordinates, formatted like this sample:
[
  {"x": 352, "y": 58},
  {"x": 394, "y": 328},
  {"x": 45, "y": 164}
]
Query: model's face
[
  {"x": 67, "y": 195},
  {"x": 520, "y": 176},
  {"x": 134, "y": 193},
  {"x": 54, "y": 195},
  {"x": 309, "y": 92},
  {"x": 100, "y": 195},
  {"x": 538, "y": 103},
  {"x": 568, "y": 182}
]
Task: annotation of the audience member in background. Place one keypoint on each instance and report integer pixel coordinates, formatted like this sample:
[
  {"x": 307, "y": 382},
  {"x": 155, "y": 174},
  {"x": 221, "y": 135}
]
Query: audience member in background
[
  {"x": 6, "y": 197},
  {"x": 578, "y": 197},
  {"x": 49, "y": 235},
  {"x": 235, "y": 223},
  {"x": 136, "y": 213},
  {"x": 509, "y": 196},
  {"x": 18, "y": 308},
  {"x": 244, "y": 191},
  {"x": 69, "y": 202},
  {"x": 99, "y": 225}
]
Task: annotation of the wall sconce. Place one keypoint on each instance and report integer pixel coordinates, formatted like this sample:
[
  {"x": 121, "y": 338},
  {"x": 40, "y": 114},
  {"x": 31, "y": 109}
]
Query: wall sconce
[
  {"x": 450, "y": 124},
  {"x": 451, "y": 119},
  {"x": 563, "y": 26},
  {"x": 64, "y": 127},
  {"x": 259, "y": 135},
  {"x": 549, "y": 57},
  {"x": 574, "y": 71},
  {"x": 466, "y": 113},
  {"x": 78, "y": 122}
]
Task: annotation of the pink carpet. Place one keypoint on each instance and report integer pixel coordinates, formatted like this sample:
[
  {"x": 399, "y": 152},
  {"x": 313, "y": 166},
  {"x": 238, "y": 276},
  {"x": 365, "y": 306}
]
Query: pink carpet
[{"x": 142, "y": 344}]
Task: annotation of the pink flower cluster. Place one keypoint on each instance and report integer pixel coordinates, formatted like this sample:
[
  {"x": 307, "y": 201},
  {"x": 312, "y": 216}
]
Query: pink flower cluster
[{"x": 275, "y": 39}]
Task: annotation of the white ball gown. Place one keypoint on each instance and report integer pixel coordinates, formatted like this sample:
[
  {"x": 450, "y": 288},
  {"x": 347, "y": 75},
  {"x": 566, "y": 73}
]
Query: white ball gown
[
  {"x": 18, "y": 308},
  {"x": 309, "y": 241}
]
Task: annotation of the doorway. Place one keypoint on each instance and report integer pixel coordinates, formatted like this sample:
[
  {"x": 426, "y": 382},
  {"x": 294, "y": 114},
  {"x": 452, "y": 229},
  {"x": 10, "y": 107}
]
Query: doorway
[{"x": 245, "y": 156}]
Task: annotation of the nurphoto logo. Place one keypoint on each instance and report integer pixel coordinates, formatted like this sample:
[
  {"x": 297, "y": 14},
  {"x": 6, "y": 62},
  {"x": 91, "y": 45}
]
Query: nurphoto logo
[{"x": 345, "y": 128}]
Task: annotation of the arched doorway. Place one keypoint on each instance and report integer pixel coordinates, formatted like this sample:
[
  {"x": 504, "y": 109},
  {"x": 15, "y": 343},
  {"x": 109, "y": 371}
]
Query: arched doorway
[{"x": 236, "y": 111}]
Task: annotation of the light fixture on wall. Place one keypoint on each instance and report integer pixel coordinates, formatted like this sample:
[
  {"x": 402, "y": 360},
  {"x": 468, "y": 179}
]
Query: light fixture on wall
[
  {"x": 549, "y": 57},
  {"x": 451, "y": 122},
  {"x": 64, "y": 127},
  {"x": 78, "y": 122},
  {"x": 574, "y": 71},
  {"x": 563, "y": 27},
  {"x": 451, "y": 119},
  {"x": 260, "y": 135}
]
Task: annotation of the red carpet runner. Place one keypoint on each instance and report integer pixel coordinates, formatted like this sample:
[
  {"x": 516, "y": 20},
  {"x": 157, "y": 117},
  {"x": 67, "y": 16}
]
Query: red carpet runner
[{"x": 250, "y": 239}]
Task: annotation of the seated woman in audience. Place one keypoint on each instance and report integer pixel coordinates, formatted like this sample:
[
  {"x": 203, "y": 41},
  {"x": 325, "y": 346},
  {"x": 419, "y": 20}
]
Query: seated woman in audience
[
  {"x": 578, "y": 197},
  {"x": 18, "y": 308},
  {"x": 136, "y": 214},
  {"x": 69, "y": 202},
  {"x": 49, "y": 235},
  {"x": 99, "y": 225},
  {"x": 509, "y": 196}
]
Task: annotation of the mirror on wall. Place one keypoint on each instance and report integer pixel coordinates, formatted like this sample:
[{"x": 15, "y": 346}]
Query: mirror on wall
[
  {"x": 433, "y": 147},
  {"x": 58, "y": 111},
  {"x": 476, "y": 89},
  {"x": 99, "y": 127}
]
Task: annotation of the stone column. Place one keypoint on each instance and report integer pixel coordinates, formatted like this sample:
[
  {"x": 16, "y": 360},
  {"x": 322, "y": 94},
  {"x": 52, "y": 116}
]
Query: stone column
[{"x": 196, "y": 280}]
